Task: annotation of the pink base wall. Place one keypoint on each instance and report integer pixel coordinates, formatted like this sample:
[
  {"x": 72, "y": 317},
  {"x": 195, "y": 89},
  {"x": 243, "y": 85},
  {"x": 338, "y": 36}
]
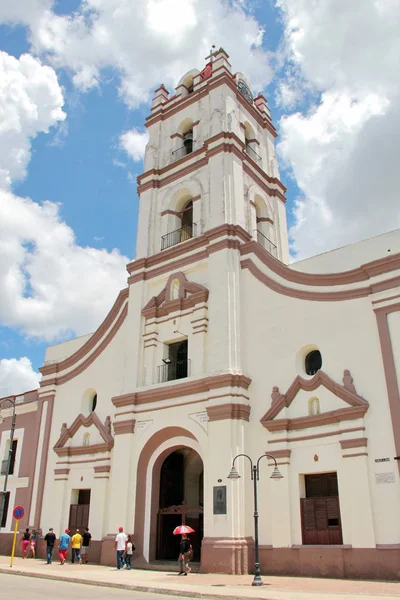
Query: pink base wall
[{"x": 236, "y": 556}]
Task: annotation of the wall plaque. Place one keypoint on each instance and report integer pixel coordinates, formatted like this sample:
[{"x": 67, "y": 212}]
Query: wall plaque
[
  {"x": 219, "y": 499},
  {"x": 384, "y": 478}
]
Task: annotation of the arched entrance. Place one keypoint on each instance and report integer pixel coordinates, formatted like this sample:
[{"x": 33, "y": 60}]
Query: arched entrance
[{"x": 180, "y": 502}]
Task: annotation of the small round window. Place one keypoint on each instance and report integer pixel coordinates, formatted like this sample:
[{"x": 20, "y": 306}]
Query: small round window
[
  {"x": 313, "y": 362},
  {"x": 94, "y": 402}
]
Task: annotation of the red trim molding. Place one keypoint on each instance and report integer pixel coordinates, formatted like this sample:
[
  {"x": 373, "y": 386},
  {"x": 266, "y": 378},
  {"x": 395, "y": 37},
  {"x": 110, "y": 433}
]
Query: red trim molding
[
  {"x": 68, "y": 432},
  {"x": 356, "y": 409},
  {"x": 166, "y": 392},
  {"x": 121, "y": 427},
  {"x": 389, "y": 367},
  {"x": 228, "y": 411}
]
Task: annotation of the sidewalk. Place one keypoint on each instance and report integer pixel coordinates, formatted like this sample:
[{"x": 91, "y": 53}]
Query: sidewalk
[{"x": 205, "y": 586}]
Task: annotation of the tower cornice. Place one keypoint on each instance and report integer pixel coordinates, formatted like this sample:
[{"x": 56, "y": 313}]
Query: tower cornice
[{"x": 220, "y": 77}]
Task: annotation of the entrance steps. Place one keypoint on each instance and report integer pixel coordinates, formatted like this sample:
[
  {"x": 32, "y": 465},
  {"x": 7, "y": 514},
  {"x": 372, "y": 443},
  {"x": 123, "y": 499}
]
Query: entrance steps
[{"x": 165, "y": 565}]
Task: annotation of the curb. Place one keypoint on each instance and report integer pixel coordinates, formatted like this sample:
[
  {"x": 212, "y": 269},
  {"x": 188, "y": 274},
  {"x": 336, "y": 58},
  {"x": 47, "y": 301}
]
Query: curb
[{"x": 131, "y": 587}]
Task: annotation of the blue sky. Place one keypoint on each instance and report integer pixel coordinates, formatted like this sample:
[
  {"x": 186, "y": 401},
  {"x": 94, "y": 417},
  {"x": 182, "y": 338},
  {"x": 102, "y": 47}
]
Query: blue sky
[{"x": 324, "y": 86}]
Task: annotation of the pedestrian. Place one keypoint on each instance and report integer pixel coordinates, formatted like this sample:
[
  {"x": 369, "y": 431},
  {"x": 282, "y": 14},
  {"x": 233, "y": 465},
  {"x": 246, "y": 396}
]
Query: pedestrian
[
  {"x": 50, "y": 540},
  {"x": 86, "y": 537},
  {"x": 32, "y": 544},
  {"x": 186, "y": 555},
  {"x": 130, "y": 547},
  {"x": 25, "y": 541},
  {"x": 120, "y": 546},
  {"x": 65, "y": 539},
  {"x": 76, "y": 541}
]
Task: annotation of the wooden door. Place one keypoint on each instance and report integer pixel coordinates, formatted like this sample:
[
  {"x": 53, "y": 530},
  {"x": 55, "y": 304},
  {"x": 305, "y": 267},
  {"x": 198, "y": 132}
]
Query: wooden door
[{"x": 320, "y": 511}]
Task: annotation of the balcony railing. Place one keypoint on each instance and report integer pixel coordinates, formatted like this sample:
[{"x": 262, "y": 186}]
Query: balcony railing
[
  {"x": 179, "y": 235},
  {"x": 173, "y": 370},
  {"x": 253, "y": 154},
  {"x": 183, "y": 151},
  {"x": 267, "y": 244}
]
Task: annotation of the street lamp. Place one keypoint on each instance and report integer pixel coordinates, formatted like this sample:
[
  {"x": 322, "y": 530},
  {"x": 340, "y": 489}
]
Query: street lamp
[
  {"x": 7, "y": 403},
  {"x": 255, "y": 475}
]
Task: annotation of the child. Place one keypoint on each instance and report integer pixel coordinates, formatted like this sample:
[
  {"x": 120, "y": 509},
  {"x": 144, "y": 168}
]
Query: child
[
  {"x": 128, "y": 552},
  {"x": 32, "y": 546}
]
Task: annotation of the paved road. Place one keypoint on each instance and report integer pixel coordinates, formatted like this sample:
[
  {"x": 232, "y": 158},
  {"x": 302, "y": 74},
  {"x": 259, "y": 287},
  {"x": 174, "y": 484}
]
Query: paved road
[{"x": 21, "y": 588}]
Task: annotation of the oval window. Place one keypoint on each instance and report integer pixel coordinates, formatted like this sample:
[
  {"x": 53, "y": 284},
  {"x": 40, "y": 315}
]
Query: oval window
[{"x": 313, "y": 362}]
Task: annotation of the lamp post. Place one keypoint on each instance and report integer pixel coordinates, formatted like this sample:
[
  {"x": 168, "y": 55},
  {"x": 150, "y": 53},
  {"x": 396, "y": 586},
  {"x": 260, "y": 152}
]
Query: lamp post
[
  {"x": 255, "y": 476},
  {"x": 7, "y": 403}
]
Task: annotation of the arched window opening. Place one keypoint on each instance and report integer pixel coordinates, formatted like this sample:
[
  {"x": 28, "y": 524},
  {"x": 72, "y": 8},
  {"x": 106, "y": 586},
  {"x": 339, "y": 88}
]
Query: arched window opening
[
  {"x": 251, "y": 143},
  {"x": 263, "y": 226},
  {"x": 94, "y": 403},
  {"x": 184, "y": 139},
  {"x": 186, "y": 228},
  {"x": 313, "y": 362},
  {"x": 187, "y": 221},
  {"x": 188, "y": 142}
]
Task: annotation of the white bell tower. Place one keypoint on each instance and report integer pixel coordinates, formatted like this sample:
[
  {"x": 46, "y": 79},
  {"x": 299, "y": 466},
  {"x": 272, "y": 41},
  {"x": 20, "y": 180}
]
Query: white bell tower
[{"x": 210, "y": 161}]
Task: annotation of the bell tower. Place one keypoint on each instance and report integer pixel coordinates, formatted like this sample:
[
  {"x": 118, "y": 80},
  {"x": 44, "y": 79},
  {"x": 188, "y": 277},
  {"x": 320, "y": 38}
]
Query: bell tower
[{"x": 210, "y": 161}]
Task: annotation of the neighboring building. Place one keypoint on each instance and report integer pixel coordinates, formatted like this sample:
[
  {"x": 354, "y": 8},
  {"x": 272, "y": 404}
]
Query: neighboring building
[
  {"x": 219, "y": 347},
  {"x": 21, "y": 488}
]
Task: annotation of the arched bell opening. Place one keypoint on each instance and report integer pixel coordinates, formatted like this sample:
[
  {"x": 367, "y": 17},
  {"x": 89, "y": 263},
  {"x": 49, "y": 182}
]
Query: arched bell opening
[{"x": 180, "y": 502}]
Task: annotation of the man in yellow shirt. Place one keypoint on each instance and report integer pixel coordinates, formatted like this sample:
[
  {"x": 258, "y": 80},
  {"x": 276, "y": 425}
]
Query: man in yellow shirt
[{"x": 76, "y": 542}]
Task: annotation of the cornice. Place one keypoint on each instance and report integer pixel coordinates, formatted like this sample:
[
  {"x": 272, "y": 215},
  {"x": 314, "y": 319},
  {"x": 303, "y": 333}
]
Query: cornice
[
  {"x": 362, "y": 273},
  {"x": 178, "y": 390},
  {"x": 312, "y": 295},
  {"x": 167, "y": 109},
  {"x": 228, "y": 411}
]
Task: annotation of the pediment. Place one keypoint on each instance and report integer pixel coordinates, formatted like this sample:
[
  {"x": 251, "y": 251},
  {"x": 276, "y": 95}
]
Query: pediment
[
  {"x": 86, "y": 435},
  {"x": 298, "y": 408},
  {"x": 179, "y": 293}
]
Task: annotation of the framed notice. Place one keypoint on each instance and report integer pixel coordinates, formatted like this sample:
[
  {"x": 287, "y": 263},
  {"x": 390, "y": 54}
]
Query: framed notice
[{"x": 219, "y": 499}]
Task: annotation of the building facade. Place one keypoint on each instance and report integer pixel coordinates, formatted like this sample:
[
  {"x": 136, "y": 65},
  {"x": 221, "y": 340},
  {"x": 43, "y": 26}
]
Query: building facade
[{"x": 217, "y": 347}]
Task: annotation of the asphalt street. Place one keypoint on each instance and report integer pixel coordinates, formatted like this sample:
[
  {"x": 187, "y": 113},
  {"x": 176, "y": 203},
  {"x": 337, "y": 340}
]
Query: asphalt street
[{"x": 30, "y": 588}]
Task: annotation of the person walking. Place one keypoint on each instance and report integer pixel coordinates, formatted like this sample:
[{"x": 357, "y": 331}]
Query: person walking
[
  {"x": 130, "y": 547},
  {"x": 185, "y": 555},
  {"x": 120, "y": 546},
  {"x": 25, "y": 541},
  {"x": 86, "y": 537},
  {"x": 50, "y": 540},
  {"x": 65, "y": 539},
  {"x": 32, "y": 544},
  {"x": 76, "y": 541}
]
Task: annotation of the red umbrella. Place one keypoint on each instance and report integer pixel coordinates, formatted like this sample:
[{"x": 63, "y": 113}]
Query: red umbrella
[{"x": 182, "y": 529}]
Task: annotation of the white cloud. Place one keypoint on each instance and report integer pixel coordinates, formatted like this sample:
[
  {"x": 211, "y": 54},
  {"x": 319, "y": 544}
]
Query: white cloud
[
  {"x": 31, "y": 101},
  {"x": 50, "y": 286},
  {"x": 146, "y": 41},
  {"x": 134, "y": 143},
  {"x": 17, "y": 376},
  {"x": 343, "y": 149}
]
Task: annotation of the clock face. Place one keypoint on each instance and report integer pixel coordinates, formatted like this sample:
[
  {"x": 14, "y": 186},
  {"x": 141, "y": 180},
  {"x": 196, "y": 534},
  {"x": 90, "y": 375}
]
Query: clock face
[{"x": 242, "y": 87}]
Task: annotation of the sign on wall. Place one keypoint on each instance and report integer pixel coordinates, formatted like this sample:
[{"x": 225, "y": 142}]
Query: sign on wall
[
  {"x": 219, "y": 499},
  {"x": 384, "y": 478}
]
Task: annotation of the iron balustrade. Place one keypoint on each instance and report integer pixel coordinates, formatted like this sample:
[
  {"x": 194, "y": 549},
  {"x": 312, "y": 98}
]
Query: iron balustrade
[
  {"x": 179, "y": 235},
  {"x": 173, "y": 370},
  {"x": 253, "y": 154},
  {"x": 266, "y": 243},
  {"x": 182, "y": 151}
]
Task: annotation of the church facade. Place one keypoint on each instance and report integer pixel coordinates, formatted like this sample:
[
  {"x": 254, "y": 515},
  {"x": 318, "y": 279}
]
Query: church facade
[{"x": 218, "y": 347}]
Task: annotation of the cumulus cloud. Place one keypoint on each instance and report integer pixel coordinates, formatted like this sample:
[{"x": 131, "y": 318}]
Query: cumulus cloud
[
  {"x": 31, "y": 101},
  {"x": 51, "y": 287},
  {"x": 342, "y": 150},
  {"x": 17, "y": 376},
  {"x": 146, "y": 41},
  {"x": 134, "y": 143}
]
